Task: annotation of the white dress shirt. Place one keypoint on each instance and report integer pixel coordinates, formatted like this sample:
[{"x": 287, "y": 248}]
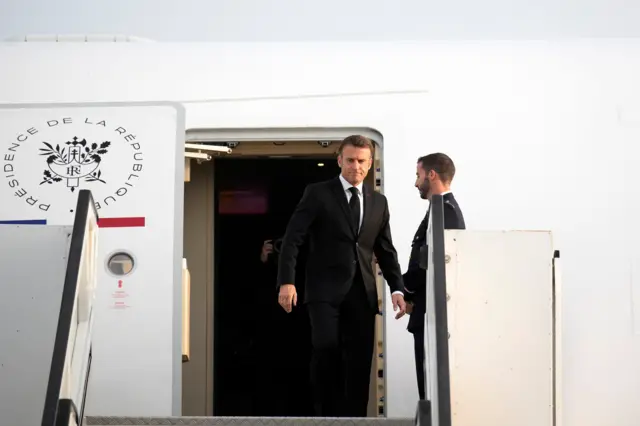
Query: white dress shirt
[{"x": 346, "y": 185}]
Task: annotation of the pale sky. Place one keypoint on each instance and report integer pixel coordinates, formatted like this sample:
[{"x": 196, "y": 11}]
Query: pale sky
[{"x": 302, "y": 20}]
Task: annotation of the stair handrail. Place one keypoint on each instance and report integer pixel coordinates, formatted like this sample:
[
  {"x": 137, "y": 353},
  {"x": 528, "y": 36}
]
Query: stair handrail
[
  {"x": 71, "y": 357},
  {"x": 437, "y": 410}
]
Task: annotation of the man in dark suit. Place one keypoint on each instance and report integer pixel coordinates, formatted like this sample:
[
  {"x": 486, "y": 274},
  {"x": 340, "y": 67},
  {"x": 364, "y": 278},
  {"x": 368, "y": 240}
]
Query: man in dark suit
[
  {"x": 345, "y": 223},
  {"x": 434, "y": 173}
]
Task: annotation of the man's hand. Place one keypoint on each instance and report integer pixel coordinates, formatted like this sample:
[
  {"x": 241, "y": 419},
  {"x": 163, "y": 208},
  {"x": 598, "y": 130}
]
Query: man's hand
[
  {"x": 267, "y": 248},
  {"x": 399, "y": 305},
  {"x": 288, "y": 297}
]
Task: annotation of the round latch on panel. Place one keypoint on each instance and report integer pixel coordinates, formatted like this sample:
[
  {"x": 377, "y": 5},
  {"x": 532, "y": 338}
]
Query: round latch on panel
[
  {"x": 447, "y": 258},
  {"x": 120, "y": 264}
]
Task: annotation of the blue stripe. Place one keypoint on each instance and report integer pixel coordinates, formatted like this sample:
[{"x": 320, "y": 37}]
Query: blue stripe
[{"x": 24, "y": 222}]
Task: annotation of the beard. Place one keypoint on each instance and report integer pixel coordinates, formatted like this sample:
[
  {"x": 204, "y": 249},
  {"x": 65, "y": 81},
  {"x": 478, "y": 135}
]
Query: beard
[{"x": 424, "y": 189}]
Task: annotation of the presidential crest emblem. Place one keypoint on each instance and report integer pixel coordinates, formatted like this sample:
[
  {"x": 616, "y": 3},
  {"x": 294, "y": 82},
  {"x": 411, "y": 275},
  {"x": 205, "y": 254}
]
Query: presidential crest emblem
[
  {"x": 48, "y": 162},
  {"x": 75, "y": 160}
]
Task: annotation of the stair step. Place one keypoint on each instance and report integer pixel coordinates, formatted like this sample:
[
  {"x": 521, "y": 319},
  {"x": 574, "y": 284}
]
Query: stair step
[{"x": 244, "y": 421}]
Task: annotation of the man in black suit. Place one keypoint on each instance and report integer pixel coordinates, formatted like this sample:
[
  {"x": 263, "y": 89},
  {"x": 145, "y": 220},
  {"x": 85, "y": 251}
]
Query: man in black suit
[
  {"x": 345, "y": 222},
  {"x": 434, "y": 173}
]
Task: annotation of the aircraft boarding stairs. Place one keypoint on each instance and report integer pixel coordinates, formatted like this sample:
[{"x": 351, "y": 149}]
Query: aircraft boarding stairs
[
  {"x": 46, "y": 329},
  {"x": 45, "y": 335}
]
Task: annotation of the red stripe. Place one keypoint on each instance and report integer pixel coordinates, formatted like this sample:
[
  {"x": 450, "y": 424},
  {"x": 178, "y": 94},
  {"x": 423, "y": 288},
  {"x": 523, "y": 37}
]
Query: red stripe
[{"x": 120, "y": 222}]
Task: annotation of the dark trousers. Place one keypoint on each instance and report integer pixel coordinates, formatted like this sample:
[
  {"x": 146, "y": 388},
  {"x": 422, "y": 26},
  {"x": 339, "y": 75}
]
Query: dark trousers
[
  {"x": 280, "y": 336},
  {"x": 342, "y": 338},
  {"x": 418, "y": 349}
]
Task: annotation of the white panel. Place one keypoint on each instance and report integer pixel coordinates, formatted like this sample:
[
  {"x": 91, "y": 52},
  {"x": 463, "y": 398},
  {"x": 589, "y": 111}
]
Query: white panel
[
  {"x": 635, "y": 295},
  {"x": 33, "y": 261},
  {"x": 501, "y": 327},
  {"x": 136, "y": 170}
]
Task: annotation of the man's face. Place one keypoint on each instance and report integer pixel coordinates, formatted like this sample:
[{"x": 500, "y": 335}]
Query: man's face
[
  {"x": 355, "y": 163},
  {"x": 422, "y": 182}
]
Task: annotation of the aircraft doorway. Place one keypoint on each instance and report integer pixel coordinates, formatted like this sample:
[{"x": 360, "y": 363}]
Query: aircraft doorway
[{"x": 261, "y": 354}]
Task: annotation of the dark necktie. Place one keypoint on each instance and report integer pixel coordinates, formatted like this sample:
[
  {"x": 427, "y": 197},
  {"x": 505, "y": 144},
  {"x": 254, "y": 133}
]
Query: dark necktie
[{"x": 354, "y": 205}]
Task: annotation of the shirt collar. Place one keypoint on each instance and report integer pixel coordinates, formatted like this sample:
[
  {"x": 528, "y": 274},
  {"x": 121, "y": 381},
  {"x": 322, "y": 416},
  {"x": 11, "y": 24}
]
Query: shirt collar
[{"x": 346, "y": 185}]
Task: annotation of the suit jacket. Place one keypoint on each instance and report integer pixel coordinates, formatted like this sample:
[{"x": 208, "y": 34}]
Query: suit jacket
[
  {"x": 415, "y": 279},
  {"x": 334, "y": 248}
]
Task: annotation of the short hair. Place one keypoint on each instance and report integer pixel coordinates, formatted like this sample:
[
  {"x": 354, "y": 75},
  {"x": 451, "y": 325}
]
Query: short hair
[
  {"x": 441, "y": 164},
  {"x": 358, "y": 141}
]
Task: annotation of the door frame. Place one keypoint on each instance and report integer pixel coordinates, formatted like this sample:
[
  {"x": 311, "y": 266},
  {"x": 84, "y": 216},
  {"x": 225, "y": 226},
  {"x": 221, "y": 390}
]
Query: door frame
[{"x": 252, "y": 142}]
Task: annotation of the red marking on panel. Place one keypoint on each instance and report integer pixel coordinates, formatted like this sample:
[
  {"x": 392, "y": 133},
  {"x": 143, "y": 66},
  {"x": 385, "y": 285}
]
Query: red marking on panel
[
  {"x": 119, "y": 283},
  {"x": 121, "y": 222}
]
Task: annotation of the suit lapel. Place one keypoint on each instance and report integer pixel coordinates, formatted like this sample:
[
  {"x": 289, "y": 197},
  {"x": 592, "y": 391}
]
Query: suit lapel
[
  {"x": 368, "y": 208},
  {"x": 341, "y": 198}
]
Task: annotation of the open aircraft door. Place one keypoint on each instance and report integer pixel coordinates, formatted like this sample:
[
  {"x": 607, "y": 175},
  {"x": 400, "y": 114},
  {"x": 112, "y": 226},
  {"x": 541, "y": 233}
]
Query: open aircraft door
[{"x": 131, "y": 157}]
